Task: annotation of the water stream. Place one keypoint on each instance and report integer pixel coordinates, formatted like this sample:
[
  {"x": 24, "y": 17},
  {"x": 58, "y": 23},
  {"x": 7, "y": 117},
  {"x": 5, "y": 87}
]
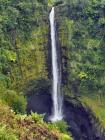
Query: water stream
[{"x": 57, "y": 113}]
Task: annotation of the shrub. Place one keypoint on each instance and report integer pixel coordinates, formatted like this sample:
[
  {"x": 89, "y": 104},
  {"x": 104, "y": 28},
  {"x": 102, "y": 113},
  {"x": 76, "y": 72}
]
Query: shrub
[
  {"x": 37, "y": 117},
  {"x": 6, "y": 134},
  {"x": 14, "y": 100},
  {"x": 63, "y": 128},
  {"x": 61, "y": 125},
  {"x": 66, "y": 137}
]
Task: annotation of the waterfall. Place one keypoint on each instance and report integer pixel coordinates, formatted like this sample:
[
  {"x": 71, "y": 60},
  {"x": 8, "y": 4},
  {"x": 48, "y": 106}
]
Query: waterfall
[{"x": 56, "y": 92}]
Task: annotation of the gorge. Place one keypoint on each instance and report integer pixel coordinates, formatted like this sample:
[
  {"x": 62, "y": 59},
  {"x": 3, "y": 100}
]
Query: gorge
[{"x": 52, "y": 69}]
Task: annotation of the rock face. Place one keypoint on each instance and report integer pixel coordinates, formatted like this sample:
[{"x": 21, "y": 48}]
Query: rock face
[
  {"x": 40, "y": 103},
  {"x": 59, "y": 12},
  {"x": 80, "y": 121},
  {"x": 76, "y": 116}
]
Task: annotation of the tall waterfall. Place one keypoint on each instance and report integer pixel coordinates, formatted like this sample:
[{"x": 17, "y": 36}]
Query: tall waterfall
[{"x": 56, "y": 92}]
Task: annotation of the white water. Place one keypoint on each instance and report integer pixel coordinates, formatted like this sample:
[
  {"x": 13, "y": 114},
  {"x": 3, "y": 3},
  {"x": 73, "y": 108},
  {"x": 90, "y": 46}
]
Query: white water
[{"x": 56, "y": 93}]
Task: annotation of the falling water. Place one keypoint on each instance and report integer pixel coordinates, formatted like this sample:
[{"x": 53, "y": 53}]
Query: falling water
[{"x": 56, "y": 92}]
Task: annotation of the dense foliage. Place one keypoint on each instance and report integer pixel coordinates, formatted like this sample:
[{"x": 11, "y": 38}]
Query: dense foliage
[
  {"x": 23, "y": 37},
  {"x": 81, "y": 29},
  {"x": 82, "y": 34},
  {"x": 23, "y": 48},
  {"x": 24, "y": 58}
]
